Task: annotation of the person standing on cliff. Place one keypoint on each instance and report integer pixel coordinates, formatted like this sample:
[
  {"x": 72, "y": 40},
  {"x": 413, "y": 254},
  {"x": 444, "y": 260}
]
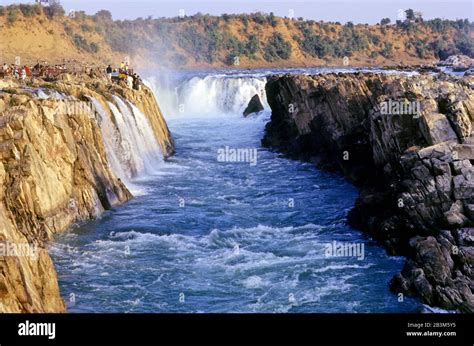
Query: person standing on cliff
[
  {"x": 23, "y": 74},
  {"x": 129, "y": 80},
  {"x": 109, "y": 72},
  {"x": 136, "y": 82},
  {"x": 27, "y": 71}
]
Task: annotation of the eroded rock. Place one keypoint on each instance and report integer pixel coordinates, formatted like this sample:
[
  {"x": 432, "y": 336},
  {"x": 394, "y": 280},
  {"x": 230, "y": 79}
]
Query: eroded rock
[
  {"x": 414, "y": 169},
  {"x": 54, "y": 172}
]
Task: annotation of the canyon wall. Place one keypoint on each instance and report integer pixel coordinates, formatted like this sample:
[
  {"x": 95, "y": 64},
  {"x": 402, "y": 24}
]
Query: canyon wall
[
  {"x": 54, "y": 172},
  {"x": 414, "y": 169}
]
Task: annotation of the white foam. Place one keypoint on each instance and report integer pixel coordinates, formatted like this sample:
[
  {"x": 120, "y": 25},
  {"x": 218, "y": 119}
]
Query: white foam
[
  {"x": 254, "y": 281},
  {"x": 341, "y": 267},
  {"x": 131, "y": 146},
  {"x": 209, "y": 96}
]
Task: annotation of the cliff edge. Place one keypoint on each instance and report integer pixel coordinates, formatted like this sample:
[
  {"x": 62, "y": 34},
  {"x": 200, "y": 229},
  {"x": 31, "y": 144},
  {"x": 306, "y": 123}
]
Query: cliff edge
[
  {"x": 54, "y": 172},
  {"x": 408, "y": 143}
]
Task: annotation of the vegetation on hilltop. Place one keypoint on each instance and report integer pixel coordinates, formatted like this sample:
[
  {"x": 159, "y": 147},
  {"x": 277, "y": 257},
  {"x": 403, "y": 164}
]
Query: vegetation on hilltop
[{"x": 248, "y": 39}]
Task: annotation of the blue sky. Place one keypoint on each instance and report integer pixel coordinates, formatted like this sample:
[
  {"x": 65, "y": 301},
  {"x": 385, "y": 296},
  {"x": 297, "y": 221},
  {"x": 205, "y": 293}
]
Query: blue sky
[{"x": 358, "y": 11}]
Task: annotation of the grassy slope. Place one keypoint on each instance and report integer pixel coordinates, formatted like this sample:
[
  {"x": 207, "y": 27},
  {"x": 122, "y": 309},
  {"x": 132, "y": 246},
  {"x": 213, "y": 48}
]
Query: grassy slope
[
  {"x": 40, "y": 38},
  {"x": 163, "y": 42}
]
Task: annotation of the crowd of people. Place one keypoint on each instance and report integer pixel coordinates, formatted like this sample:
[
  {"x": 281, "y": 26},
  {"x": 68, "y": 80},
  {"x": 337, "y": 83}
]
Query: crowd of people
[
  {"x": 22, "y": 72},
  {"x": 16, "y": 71},
  {"x": 124, "y": 74}
]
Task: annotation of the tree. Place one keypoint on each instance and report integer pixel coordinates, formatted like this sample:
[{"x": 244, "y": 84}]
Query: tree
[
  {"x": 385, "y": 21},
  {"x": 104, "y": 15},
  {"x": 272, "y": 20},
  {"x": 465, "y": 46},
  {"x": 30, "y": 10},
  {"x": 54, "y": 10},
  {"x": 410, "y": 14}
]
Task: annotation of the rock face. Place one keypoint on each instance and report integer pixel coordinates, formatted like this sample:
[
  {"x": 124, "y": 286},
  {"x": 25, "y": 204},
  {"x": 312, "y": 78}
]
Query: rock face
[
  {"x": 458, "y": 62},
  {"x": 54, "y": 172},
  {"x": 254, "y": 106},
  {"x": 414, "y": 168}
]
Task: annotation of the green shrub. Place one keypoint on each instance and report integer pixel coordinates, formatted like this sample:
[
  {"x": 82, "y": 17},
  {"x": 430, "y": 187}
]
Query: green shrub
[
  {"x": 277, "y": 48},
  {"x": 12, "y": 15},
  {"x": 69, "y": 31},
  {"x": 86, "y": 28},
  {"x": 230, "y": 59},
  {"x": 81, "y": 43},
  {"x": 349, "y": 25},
  {"x": 93, "y": 47},
  {"x": 440, "y": 49},
  {"x": 421, "y": 48},
  {"x": 226, "y": 17},
  {"x": 253, "y": 45},
  {"x": 258, "y": 18},
  {"x": 375, "y": 39},
  {"x": 234, "y": 45},
  {"x": 201, "y": 46},
  {"x": 410, "y": 14},
  {"x": 387, "y": 50},
  {"x": 80, "y": 15},
  {"x": 54, "y": 10},
  {"x": 317, "y": 45},
  {"x": 30, "y": 10},
  {"x": 465, "y": 45},
  {"x": 103, "y": 15},
  {"x": 272, "y": 20}
]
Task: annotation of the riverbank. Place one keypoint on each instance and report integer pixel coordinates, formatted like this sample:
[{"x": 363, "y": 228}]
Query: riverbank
[
  {"x": 56, "y": 171},
  {"x": 413, "y": 166}
]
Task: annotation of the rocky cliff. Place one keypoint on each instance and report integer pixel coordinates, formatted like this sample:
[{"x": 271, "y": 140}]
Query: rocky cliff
[
  {"x": 54, "y": 172},
  {"x": 408, "y": 142}
]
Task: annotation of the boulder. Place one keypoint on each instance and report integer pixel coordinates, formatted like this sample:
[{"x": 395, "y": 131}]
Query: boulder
[
  {"x": 458, "y": 62},
  {"x": 254, "y": 106}
]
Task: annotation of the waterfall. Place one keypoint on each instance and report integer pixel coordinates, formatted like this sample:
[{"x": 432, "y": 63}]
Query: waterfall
[
  {"x": 131, "y": 147},
  {"x": 208, "y": 95}
]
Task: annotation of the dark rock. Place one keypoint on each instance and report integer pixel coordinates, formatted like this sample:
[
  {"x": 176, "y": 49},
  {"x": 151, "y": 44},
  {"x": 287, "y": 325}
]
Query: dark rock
[
  {"x": 254, "y": 106},
  {"x": 414, "y": 171}
]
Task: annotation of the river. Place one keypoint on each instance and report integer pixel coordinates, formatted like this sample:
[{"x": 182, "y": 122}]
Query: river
[{"x": 207, "y": 232}]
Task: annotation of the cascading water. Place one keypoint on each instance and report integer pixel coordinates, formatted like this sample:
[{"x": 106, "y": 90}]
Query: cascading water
[
  {"x": 208, "y": 95},
  {"x": 131, "y": 146},
  {"x": 136, "y": 130},
  {"x": 218, "y": 236},
  {"x": 116, "y": 149}
]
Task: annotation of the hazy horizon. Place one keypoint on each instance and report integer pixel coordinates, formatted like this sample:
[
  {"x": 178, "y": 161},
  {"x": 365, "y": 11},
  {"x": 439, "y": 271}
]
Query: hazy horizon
[{"x": 366, "y": 11}]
